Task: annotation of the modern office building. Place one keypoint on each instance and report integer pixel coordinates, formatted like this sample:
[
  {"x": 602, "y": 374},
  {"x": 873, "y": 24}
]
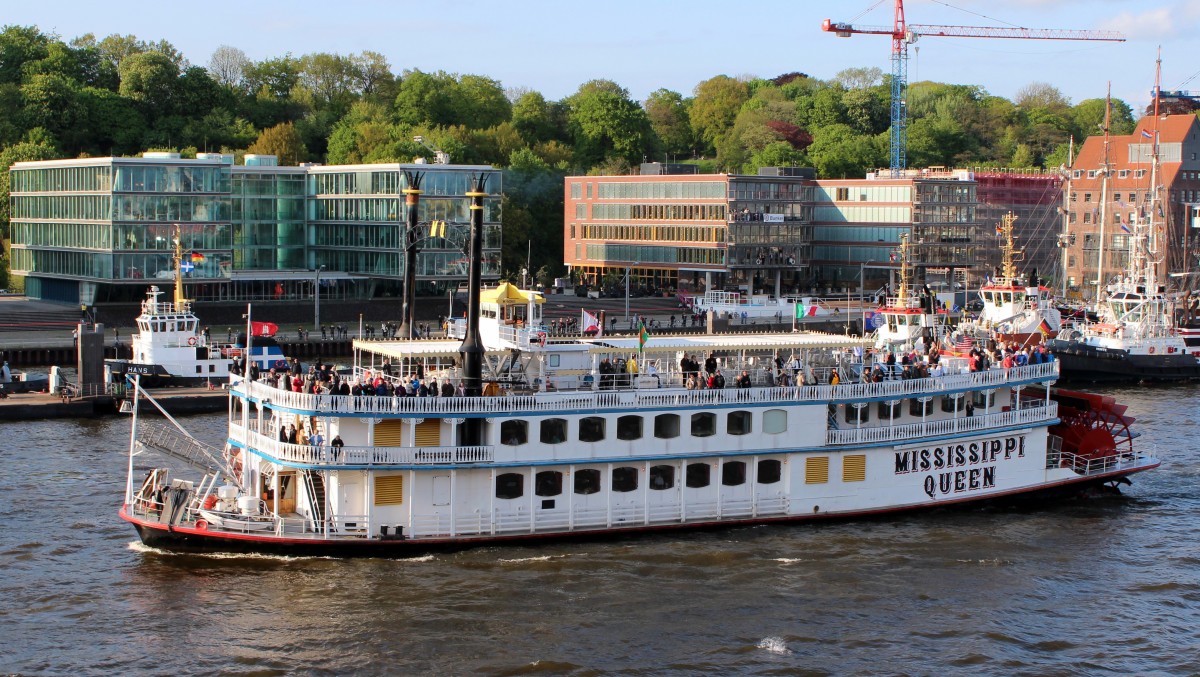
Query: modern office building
[
  {"x": 1097, "y": 211},
  {"x": 94, "y": 230},
  {"x": 1035, "y": 198},
  {"x": 779, "y": 232}
]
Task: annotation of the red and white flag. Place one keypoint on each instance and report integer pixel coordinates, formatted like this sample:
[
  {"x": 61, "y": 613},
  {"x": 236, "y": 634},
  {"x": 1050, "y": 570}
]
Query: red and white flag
[{"x": 591, "y": 324}]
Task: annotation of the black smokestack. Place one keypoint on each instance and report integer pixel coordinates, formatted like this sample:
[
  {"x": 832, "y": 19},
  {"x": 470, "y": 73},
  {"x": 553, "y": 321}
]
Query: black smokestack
[
  {"x": 412, "y": 199},
  {"x": 472, "y": 347}
]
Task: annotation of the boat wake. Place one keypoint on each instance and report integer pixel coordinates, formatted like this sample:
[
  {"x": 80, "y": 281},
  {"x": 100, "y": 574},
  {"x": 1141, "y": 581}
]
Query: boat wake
[
  {"x": 775, "y": 645},
  {"x": 788, "y": 560},
  {"x": 138, "y": 546}
]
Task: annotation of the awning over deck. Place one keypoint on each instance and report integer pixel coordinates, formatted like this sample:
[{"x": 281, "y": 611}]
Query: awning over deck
[{"x": 508, "y": 294}]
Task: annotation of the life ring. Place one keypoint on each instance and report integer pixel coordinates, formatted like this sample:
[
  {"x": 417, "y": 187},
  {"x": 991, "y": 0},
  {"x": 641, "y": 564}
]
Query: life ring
[
  {"x": 201, "y": 525},
  {"x": 1151, "y": 350},
  {"x": 192, "y": 341},
  {"x": 541, "y": 339},
  {"x": 759, "y": 261},
  {"x": 791, "y": 260}
]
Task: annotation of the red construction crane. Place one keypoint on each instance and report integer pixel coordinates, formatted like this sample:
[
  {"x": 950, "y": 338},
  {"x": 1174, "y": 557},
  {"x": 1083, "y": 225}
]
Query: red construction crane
[{"x": 903, "y": 34}]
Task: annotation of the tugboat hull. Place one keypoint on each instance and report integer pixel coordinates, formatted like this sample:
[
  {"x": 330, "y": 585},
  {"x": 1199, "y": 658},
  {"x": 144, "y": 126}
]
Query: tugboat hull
[{"x": 1083, "y": 363}]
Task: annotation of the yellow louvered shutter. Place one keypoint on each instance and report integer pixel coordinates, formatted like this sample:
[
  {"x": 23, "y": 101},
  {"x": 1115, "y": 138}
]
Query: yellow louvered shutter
[
  {"x": 389, "y": 490},
  {"x": 429, "y": 433},
  {"x": 388, "y": 433},
  {"x": 816, "y": 470},
  {"x": 854, "y": 468}
]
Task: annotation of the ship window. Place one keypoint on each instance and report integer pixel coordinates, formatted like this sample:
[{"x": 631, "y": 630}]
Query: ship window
[
  {"x": 950, "y": 403},
  {"x": 698, "y": 475},
  {"x": 769, "y": 471},
  {"x": 733, "y": 473},
  {"x": 666, "y": 426},
  {"x": 624, "y": 479},
  {"x": 510, "y": 485},
  {"x": 889, "y": 410},
  {"x": 738, "y": 423},
  {"x": 985, "y": 398},
  {"x": 212, "y": 368},
  {"x": 662, "y": 477},
  {"x": 918, "y": 408},
  {"x": 554, "y": 431},
  {"x": 591, "y": 429},
  {"x": 858, "y": 412},
  {"x": 629, "y": 428},
  {"x": 547, "y": 483},
  {"x": 704, "y": 424},
  {"x": 198, "y": 369},
  {"x": 513, "y": 433},
  {"x": 587, "y": 481},
  {"x": 774, "y": 421}
]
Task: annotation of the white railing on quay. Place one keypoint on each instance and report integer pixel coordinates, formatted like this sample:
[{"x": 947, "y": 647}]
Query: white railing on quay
[
  {"x": 632, "y": 399},
  {"x": 946, "y": 426},
  {"x": 359, "y": 456}
]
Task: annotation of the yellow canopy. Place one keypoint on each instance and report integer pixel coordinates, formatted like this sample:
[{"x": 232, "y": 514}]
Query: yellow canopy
[{"x": 508, "y": 294}]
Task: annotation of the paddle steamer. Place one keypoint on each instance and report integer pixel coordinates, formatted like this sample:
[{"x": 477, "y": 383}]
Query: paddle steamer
[{"x": 532, "y": 438}]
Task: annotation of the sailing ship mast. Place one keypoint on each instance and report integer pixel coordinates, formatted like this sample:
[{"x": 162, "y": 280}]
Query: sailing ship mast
[{"x": 1104, "y": 171}]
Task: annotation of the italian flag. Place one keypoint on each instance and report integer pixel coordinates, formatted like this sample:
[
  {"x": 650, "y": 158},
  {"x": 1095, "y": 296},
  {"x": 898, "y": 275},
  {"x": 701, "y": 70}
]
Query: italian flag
[{"x": 643, "y": 336}]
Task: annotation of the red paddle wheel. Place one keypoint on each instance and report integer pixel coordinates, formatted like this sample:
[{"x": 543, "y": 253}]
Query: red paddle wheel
[{"x": 1091, "y": 426}]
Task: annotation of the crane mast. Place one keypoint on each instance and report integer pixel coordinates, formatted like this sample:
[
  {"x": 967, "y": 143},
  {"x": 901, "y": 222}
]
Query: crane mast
[{"x": 903, "y": 33}]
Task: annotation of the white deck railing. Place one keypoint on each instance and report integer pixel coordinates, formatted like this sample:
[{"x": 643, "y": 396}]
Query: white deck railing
[
  {"x": 946, "y": 426},
  {"x": 634, "y": 399},
  {"x": 359, "y": 456}
]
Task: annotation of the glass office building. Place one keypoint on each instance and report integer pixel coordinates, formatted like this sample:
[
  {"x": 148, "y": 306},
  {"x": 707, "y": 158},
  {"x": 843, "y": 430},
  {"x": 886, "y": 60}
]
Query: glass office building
[{"x": 95, "y": 230}]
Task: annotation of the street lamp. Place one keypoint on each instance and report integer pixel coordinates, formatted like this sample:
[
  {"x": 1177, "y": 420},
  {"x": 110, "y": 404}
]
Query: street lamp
[{"x": 317, "y": 298}]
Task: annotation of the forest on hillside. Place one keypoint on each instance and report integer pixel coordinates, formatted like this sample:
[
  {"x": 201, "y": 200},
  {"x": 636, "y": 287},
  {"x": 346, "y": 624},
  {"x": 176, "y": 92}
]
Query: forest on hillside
[{"x": 121, "y": 95}]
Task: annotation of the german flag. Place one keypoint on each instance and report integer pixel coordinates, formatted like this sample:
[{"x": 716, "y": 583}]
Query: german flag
[
  {"x": 196, "y": 257},
  {"x": 1044, "y": 327}
]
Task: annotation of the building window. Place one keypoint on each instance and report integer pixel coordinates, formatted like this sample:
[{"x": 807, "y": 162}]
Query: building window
[
  {"x": 985, "y": 398},
  {"x": 1087, "y": 197},
  {"x": 554, "y": 431},
  {"x": 774, "y": 421},
  {"x": 769, "y": 471},
  {"x": 547, "y": 483},
  {"x": 513, "y": 433},
  {"x": 698, "y": 475},
  {"x": 629, "y": 428},
  {"x": 510, "y": 485},
  {"x": 666, "y": 426},
  {"x": 704, "y": 424},
  {"x": 624, "y": 479},
  {"x": 587, "y": 481},
  {"x": 950, "y": 403},
  {"x": 591, "y": 429},
  {"x": 738, "y": 423},
  {"x": 733, "y": 473},
  {"x": 662, "y": 477}
]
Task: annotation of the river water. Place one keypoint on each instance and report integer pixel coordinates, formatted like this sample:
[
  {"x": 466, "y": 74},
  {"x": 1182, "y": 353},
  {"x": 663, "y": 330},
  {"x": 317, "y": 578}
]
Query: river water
[{"x": 1107, "y": 585}]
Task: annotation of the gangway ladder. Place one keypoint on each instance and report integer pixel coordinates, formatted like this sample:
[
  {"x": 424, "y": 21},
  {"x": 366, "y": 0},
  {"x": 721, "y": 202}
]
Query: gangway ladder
[{"x": 183, "y": 447}]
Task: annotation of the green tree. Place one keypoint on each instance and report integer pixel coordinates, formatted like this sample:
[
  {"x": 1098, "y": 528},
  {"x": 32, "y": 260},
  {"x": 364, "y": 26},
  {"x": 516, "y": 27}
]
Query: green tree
[
  {"x": 668, "y": 115},
  {"x": 51, "y": 101},
  {"x": 149, "y": 78},
  {"x": 533, "y": 117},
  {"x": 227, "y": 66},
  {"x": 606, "y": 125},
  {"x": 838, "y": 152},
  {"x": 20, "y": 45},
  {"x": 715, "y": 106},
  {"x": 1088, "y": 116},
  {"x": 112, "y": 123},
  {"x": 283, "y": 141},
  {"x": 479, "y": 102}
]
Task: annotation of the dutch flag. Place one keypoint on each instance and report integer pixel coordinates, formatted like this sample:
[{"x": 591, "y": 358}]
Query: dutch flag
[{"x": 1147, "y": 134}]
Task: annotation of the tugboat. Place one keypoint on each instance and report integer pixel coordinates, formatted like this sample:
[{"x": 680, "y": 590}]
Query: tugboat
[
  {"x": 567, "y": 446},
  {"x": 1137, "y": 336},
  {"x": 909, "y": 318},
  {"x": 1014, "y": 310}
]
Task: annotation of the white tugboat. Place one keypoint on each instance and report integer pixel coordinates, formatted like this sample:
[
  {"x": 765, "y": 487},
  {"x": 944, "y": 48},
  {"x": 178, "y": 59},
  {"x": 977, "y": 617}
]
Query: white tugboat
[
  {"x": 170, "y": 347},
  {"x": 571, "y": 446},
  {"x": 908, "y": 319},
  {"x": 1014, "y": 310}
]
